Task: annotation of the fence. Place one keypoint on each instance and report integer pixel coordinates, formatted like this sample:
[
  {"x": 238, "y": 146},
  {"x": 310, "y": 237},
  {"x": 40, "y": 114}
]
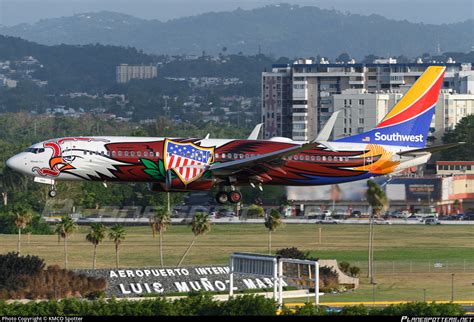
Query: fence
[{"x": 417, "y": 266}]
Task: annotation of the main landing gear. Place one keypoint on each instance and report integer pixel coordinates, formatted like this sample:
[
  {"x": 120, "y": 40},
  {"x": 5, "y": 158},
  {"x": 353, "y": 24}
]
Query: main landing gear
[{"x": 233, "y": 196}]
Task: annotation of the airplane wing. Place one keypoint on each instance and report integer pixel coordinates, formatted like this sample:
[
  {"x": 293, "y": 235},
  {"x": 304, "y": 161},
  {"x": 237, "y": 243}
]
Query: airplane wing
[
  {"x": 235, "y": 166},
  {"x": 431, "y": 149}
]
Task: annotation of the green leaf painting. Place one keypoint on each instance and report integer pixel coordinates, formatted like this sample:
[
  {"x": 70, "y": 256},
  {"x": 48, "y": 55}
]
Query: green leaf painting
[{"x": 157, "y": 170}]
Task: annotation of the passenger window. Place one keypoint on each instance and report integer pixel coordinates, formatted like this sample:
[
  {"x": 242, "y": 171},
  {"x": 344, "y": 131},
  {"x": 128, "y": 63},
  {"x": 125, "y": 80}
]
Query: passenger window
[
  {"x": 139, "y": 154},
  {"x": 151, "y": 154},
  {"x": 307, "y": 158},
  {"x": 132, "y": 153},
  {"x": 158, "y": 154},
  {"x": 235, "y": 156},
  {"x": 290, "y": 157},
  {"x": 119, "y": 153},
  {"x": 324, "y": 158},
  {"x": 319, "y": 158},
  {"x": 229, "y": 156},
  {"x": 85, "y": 152},
  {"x": 313, "y": 158},
  {"x": 125, "y": 153},
  {"x": 114, "y": 153},
  {"x": 241, "y": 156},
  {"x": 301, "y": 157},
  {"x": 145, "y": 154},
  {"x": 329, "y": 158}
]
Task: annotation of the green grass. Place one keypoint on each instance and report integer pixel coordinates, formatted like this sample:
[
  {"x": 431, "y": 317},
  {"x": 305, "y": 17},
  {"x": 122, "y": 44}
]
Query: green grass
[{"x": 404, "y": 254}]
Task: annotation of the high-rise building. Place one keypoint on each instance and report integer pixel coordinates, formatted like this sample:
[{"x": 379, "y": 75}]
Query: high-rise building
[
  {"x": 125, "y": 72},
  {"x": 276, "y": 102},
  {"x": 317, "y": 90}
]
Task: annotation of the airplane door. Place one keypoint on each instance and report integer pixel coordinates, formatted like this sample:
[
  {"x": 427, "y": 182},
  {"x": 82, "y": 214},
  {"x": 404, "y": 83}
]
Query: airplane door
[{"x": 67, "y": 151}]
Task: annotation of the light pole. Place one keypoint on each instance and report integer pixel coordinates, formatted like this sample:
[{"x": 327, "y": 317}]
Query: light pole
[
  {"x": 373, "y": 293},
  {"x": 452, "y": 287}
]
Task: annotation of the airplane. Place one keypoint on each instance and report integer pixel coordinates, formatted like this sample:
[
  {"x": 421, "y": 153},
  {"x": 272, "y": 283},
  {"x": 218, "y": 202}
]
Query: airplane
[{"x": 187, "y": 164}]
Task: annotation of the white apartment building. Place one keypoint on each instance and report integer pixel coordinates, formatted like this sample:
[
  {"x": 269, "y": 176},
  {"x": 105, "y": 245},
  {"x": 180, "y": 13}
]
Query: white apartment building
[
  {"x": 451, "y": 108},
  {"x": 125, "y": 72},
  {"x": 360, "y": 111},
  {"x": 310, "y": 100}
]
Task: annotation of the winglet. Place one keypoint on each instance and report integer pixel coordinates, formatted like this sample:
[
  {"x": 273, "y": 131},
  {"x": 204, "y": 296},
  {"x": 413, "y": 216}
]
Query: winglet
[
  {"x": 325, "y": 133},
  {"x": 207, "y": 136},
  {"x": 255, "y": 132}
]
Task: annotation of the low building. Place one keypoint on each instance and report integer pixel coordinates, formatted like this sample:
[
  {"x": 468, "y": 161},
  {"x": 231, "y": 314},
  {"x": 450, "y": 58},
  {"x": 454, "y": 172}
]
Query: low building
[{"x": 125, "y": 72}]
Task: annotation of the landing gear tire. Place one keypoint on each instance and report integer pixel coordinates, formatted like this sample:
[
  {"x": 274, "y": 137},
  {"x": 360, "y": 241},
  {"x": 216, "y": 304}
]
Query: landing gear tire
[
  {"x": 234, "y": 196},
  {"x": 222, "y": 197},
  {"x": 52, "y": 193}
]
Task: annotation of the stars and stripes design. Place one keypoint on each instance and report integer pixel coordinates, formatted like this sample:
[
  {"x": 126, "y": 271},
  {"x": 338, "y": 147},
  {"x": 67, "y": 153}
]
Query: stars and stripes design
[{"x": 186, "y": 159}]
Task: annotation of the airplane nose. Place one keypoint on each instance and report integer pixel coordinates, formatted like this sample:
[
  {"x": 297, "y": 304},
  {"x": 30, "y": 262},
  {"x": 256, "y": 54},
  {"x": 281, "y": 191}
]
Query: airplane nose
[{"x": 13, "y": 163}]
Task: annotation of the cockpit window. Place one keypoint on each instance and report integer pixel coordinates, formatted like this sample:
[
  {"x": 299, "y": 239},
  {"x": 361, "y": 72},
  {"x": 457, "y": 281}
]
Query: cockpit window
[{"x": 35, "y": 150}]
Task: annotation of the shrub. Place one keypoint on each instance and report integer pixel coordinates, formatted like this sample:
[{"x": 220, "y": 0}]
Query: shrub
[
  {"x": 307, "y": 309},
  {"x": 197, "y": 303},
  {"x": 12, "y": 266},
  {"x": 354, "y": 271},
  {"x": 422, "y": 309},
  {"x": 328, "y": 278},
  {"x": 344, "y": 266},
  {"x": 248, "y": 305},
  {"x": 292, "y": 252},
  {"x": 355, "y": 310}
]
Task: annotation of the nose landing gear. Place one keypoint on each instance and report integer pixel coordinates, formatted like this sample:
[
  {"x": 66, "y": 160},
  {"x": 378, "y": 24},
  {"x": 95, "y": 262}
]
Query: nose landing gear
[{"x": 52, "y": 192}]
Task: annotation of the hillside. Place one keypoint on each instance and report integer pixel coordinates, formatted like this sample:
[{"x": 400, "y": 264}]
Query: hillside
[
  {"x": 85, "y": 67},
  {"x": 287, "y": 30}
]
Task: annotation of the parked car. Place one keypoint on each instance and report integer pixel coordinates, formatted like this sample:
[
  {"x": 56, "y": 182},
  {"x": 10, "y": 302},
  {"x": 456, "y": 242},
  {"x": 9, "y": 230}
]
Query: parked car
[
  {"x": 356, "y": 213},
  {"x": 226, "y": 213},
  {"x": 432, "y": 221},
  {"x": 328, "y": 220},
  {"x": 381, "y": 221}
]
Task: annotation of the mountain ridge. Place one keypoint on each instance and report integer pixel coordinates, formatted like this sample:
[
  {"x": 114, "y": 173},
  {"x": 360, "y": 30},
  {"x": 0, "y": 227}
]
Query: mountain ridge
[{"x": 282, "y": 30}]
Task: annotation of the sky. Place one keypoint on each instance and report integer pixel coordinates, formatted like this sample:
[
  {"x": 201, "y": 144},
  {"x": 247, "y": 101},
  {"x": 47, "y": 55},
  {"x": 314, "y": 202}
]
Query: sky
[{"x": 427, "y": 11}]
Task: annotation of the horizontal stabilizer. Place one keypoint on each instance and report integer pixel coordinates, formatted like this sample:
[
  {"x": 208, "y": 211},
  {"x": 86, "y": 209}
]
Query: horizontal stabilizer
[{"x": 431, "y": 149}]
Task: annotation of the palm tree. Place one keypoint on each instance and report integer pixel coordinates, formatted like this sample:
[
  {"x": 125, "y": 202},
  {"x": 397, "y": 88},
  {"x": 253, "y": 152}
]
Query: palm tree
[
  {"x": 96, "y": 235},
  {"x": 22, "y": 219},
  {"x": 200, "y": 226},
  {"x": 272, "y": 222},
  {"x": 117, "y": 235},
  {"x": 64, "y": 229},
  {"x": 159, "y": 223},
  {"x": 378, "y": 200}
]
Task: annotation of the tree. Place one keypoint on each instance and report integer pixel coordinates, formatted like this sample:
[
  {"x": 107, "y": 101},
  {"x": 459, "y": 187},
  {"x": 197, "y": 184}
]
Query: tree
[
  {"x": 64, "y": 229},
  {"x": 159, "y": 223},
  {"x": 272, "y": 222},
  {"x": 117, "y": 235},
  {"x": 200, "y": 226},
  {"x": 255, "y": 211},
  {"x": 343, "y": 58},
  {"x": 95, "y": 236},
  {"x": 22, "y": 219},
  {"x": 464, "y": 132},
  {"x": 378, "y": 200}
]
